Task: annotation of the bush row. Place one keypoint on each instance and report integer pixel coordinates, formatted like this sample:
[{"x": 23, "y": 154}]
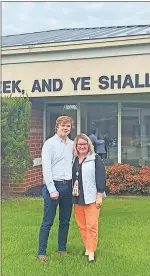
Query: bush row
[
  {"x": 15, "y": 126},
  {"x": 124, "y": 179}
]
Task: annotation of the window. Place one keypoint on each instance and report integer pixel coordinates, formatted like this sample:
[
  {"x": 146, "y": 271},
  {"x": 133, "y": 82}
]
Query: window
[
  {"x": 135, "y": 139},
  {"x": 53, "y": 111},
  {"x": 104, "y": 118}
]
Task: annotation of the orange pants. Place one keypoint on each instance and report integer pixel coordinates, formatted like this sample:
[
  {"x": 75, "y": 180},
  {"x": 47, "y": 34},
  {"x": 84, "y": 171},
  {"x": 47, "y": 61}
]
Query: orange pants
[{"x": 87, "y": 221}]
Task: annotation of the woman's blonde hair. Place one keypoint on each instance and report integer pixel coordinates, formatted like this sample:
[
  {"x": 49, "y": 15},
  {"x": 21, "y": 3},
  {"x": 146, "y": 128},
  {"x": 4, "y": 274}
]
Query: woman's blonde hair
[{"x": 87, "y": 139}]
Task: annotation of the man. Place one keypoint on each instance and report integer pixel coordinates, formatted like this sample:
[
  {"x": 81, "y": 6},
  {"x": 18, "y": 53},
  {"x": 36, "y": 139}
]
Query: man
[
  {"x": 101, "y": 151},
  {"x": 108, "y": 142},
  {"x": 94, "y": 139},
  {"x": 57, "y": 155}
]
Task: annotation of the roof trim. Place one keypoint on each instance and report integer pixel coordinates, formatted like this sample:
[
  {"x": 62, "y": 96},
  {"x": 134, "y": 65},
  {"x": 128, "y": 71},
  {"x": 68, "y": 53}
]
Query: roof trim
[
  {"x": 92, "y": 28},
  {"x": 78, "y": 45},
  {"x": 75, "y": 35}
]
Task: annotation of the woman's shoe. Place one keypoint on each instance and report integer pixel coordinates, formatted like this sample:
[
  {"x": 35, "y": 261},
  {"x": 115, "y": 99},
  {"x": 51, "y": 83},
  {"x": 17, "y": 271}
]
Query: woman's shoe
[
  {"x": 91, "y": 258},
  {"x": 92, "y": 261}
]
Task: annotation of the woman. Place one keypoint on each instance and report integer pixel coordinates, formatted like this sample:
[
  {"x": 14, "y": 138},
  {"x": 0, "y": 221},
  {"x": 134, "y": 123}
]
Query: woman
[{"x": 89, "y": 183}]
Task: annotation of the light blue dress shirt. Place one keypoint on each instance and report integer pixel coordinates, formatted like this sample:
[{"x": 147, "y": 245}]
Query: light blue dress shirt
[{"x": 57, "y": 158}]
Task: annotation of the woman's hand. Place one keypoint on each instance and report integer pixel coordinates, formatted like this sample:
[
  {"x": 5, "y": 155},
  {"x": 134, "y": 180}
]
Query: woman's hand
[{"x": 99, "y": 200}]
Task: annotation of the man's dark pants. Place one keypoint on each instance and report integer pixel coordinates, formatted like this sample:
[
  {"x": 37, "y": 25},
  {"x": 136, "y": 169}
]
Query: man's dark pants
[{"x": 50, "y": 206}]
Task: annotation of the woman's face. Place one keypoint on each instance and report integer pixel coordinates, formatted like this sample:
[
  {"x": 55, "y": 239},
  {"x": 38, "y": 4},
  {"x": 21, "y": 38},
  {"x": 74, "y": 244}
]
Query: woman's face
[{"x": 82, "y": 147}]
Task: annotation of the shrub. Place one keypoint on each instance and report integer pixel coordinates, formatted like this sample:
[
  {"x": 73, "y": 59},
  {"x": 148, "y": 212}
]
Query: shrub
[
  {"x": 124, "y": 178},
  {"x": 15, "y": 117}
]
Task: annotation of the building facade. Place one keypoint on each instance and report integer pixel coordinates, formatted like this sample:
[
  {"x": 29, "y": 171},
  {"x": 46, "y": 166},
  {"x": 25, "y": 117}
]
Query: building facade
[{"x": 98, "y": 76}]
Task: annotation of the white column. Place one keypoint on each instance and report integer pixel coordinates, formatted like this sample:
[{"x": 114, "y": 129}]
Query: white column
[
  {"x": 44, "y": 123},
  {"x": 85, "y": 116},
  {"x": 119, "y": 132},
  {"x": 78, "y": 118}
]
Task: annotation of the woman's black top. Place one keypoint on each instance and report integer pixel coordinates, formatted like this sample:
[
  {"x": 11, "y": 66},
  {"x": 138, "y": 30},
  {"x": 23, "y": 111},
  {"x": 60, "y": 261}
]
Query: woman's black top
[
  {"x": 100, "y": 177},
  {"x": 78, "y": 167}
]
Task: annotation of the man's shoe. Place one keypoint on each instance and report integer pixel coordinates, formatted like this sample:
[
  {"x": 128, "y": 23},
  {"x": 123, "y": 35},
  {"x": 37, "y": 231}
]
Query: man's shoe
[
  {"x": 42, "y": 258},
  {"x": 63, "y": 253}
]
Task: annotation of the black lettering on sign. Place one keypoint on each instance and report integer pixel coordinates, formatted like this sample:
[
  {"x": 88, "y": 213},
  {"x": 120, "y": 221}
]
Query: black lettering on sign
[
  {"x": 6, "y": 86},
  {"x": 15, "y": 86},
  {"x": 128, "y": 82},
  {"x": 117, "y": 81},
  {"x": 46, "y": 85},
  {"x": 147, "y": 80},
  {"x": 75, "y": 82},
  {"x": 84, "y": 82},
  {"x": 36, "y": 86},
  {"x": 57, "y": 84},
  {"x": 137, "y": 84},
  {"x": 104, "y": 82}
]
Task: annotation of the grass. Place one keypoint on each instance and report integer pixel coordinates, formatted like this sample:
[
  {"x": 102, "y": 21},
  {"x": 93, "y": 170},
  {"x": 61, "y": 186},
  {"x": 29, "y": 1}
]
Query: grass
[{"x": 124, "y": 240}]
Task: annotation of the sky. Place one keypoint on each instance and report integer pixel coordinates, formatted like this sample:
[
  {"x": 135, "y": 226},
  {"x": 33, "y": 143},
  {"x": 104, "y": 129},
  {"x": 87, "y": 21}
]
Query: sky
[{"x": 28, "y": 17}]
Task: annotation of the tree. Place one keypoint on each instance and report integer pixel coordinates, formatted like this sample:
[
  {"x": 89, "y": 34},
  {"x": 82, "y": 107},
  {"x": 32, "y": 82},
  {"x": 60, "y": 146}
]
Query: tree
[{"x": 15, "y": 152}]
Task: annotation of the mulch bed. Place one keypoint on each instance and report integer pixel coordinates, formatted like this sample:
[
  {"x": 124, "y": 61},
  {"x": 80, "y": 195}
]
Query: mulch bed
[
  {"x": 32, "y": 192},
  {"x": 37, "y": 192}
]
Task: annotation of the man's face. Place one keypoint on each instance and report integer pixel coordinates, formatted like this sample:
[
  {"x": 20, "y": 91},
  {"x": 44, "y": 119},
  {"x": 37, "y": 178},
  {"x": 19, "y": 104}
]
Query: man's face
[{"x": 63, "y": 129}]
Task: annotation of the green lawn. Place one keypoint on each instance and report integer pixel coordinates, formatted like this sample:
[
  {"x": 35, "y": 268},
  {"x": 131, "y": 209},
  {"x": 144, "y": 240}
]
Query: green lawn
[{"x": 124, "y": 240}]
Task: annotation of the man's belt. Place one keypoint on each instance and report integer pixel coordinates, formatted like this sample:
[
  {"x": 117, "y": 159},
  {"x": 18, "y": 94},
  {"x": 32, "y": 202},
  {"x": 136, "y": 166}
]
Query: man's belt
[{"x": 62, "y": 181}]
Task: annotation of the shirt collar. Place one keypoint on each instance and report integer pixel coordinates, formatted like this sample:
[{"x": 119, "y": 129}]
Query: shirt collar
[{"x": 60, "y": 139}]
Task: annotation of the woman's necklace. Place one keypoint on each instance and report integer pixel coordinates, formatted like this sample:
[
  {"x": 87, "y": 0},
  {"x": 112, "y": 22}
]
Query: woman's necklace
[{"x": 81, "y": 159}]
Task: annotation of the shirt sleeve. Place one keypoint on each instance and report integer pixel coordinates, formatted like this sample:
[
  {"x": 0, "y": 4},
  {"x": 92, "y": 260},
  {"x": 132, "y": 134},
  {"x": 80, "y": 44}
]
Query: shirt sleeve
[
  {"x": 96, "y": 141},
  {"x": 100, "y": 142},
  {"x": 47, "y": 166},
  {"x": 100, "y": 174}
]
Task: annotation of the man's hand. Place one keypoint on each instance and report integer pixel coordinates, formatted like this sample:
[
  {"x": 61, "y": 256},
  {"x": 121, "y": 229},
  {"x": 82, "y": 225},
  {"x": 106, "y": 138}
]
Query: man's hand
[
  {"x": 99, "y": 200},
  {"x": 54, "y": 195}
]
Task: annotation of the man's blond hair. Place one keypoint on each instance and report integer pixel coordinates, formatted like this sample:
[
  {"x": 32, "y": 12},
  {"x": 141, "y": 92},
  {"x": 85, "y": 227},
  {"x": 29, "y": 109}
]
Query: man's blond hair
[{"x": 64, "y": 120}]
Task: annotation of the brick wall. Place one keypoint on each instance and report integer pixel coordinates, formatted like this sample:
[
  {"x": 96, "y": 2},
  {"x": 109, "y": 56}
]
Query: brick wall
[{"x": 33, "y": 176}]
